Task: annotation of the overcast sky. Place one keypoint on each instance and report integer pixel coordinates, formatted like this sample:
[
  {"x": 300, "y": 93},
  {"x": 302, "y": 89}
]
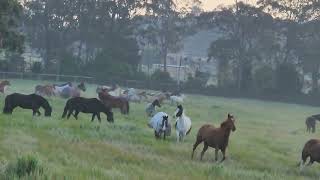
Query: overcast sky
[{"x": 211, "y": 4}]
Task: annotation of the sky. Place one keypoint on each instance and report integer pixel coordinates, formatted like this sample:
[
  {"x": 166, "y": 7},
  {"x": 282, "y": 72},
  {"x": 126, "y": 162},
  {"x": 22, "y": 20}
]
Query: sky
[{"x": 211, "y": 4}]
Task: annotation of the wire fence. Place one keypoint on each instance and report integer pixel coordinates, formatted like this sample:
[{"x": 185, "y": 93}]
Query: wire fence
[
  {"x": 48, "y": 77},
  {"x": 140, "y": 84}
]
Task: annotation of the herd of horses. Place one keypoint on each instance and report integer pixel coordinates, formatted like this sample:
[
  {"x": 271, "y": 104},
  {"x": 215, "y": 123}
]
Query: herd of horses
[{"x": 216, "y": 137}]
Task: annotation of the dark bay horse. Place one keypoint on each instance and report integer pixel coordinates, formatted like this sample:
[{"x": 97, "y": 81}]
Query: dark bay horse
[
  {"x": 311, "y": 123},
  {"x": 114, "y": 102},
  {"x": 32, "y": 101},
  {"x": 312, "y": 150},
  {"x": 86, "y": 105}
]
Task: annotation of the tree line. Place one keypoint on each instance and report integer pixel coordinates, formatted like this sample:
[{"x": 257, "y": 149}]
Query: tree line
[{"x": 265, "y": 47}]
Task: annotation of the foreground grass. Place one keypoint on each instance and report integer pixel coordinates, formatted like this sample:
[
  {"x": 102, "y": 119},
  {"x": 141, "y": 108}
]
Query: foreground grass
[{"x": 266, "y": 145}]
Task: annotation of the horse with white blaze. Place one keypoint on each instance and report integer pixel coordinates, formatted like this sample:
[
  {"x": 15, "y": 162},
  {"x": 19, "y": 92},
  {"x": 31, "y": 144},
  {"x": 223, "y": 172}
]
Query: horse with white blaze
[
  {"x": 183, "y": 123},
  {"x": 161, "y": 125}
]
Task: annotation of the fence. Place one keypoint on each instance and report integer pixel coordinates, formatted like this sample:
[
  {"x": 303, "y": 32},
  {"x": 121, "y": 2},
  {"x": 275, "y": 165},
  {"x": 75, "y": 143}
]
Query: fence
[{"x": 51, "y": 77}]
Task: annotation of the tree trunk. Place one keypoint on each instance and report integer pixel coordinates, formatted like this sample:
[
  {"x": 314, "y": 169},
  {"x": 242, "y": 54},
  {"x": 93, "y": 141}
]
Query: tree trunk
[
  {"x": 47, "y": 39},
  {"x": 315, "y": 82},
  {"x": 165, "y": 52}
]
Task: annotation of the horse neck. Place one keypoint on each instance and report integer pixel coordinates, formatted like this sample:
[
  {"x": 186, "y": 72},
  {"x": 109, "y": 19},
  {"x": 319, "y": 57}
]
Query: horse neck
[
  {"x": 182, "y": 119},
  {"x": 44, "y": 104},
  {"x": 226, "y": 133}
]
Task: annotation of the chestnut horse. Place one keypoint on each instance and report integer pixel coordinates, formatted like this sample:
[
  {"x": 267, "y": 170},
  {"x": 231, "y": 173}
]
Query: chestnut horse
[
  {"x": 216, "y": 138},
  {"x": 46, "y": 90},
  {"x": 114, "y": 102},
  {"x": 3, "y": 85}
]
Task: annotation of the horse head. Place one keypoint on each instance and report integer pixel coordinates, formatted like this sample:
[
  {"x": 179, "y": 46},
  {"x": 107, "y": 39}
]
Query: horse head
[
  {"x": 47, "y": 110},
  {"x": 156, "y": 103},
  {"x": 229, "y": 123},
  {"x": 82, "y": 86},
  {"x": 179, "y": 111},
  {"x": 164, "y": 123},
  {"x": 6, "y": 83}
]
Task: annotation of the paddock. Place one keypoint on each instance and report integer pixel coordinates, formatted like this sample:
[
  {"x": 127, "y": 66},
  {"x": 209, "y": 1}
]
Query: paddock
[{"x": 266, "y": 145}]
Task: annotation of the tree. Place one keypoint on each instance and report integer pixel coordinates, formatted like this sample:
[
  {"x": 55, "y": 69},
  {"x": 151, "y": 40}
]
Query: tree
[
  {"x": 79, "y": 33},
  {"x": 161, "y": 27},
  {"x": 242, "y": 26},
  {"x": 10, "y": 36}
]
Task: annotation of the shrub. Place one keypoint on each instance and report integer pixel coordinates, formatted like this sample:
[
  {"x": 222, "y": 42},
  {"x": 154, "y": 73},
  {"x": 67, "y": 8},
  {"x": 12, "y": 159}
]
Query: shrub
[
  {"x": 288, "y": 79},
  {"x": 163, "y": 76},
  {"x": 264, "y": 79},
  {"x": 24, "y": 166},
  {"x": 36, "y": 67}
]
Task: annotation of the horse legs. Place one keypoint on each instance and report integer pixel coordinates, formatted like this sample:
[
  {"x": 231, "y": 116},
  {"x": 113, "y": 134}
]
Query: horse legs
[
  {"x": 205, "y": 148},
  {"x": 93, "y": 116},
  {"x": 69, "y": 113},
  {"x": 99, "y": 118},
  {"x": 223, "y": 150},
  {"x": 216, "y": 154},
  {"x": 76, "y": 114},
  {"x": 195, "y": 146},
  {"x": 34, "y": 112},
  {"x": 178, "y": 136},
  {"x": 38, "y": 112},
  {"x": 156, "y": 134}
]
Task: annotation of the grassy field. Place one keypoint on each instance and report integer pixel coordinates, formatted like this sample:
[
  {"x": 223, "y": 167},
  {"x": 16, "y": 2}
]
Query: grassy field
[{"x": 266, "y": 145}]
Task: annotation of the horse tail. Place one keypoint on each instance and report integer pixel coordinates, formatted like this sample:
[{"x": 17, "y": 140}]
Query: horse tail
[{"x": 189, "y": 130}]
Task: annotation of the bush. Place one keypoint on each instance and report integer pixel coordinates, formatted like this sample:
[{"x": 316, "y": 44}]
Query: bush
[
  {"x": 159, "y": 75},
  {"x": 24, "y": 166},
  {"x": 36, "y": 67},
  {"x": 288, "y": 79},
  {"x": 264, "y": 79}
]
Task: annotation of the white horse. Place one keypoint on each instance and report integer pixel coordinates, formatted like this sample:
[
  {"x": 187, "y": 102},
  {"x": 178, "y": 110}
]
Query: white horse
[
  {"x": 59, "y": 88},
  {"x": 177, "y": 99},
  {"x": 183, "y": 124},
  {"x": 160, "y": 124}
]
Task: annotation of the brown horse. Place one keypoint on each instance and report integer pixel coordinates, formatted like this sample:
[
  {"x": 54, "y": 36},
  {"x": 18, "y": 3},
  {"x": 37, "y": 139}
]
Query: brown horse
[
  {"x": 311, "y": 149},
  {"x": 216, "y": 138},
  {"x": 114, "y": 102},
  {"x": 46, "y": 90},
  {"x": 3, "y": 85},
  {"x": 311, "y": 123}
]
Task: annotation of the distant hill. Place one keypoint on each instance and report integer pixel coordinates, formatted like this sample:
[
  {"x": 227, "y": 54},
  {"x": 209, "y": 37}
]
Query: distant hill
[{"x": 198, "y": 44}]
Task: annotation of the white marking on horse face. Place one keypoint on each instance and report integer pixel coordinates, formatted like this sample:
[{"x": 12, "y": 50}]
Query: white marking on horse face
[{"x": 175, "y": 113}]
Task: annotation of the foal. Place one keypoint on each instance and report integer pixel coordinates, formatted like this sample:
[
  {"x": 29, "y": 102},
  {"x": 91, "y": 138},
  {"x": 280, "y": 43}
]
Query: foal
[{"x": 216, "y": 138}]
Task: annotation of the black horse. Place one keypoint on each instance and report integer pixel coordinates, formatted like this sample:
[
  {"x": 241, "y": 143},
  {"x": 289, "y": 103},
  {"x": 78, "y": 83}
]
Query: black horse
[
  {"x": 86, "y": 105},
  {"x": 32, "y": 101}
]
